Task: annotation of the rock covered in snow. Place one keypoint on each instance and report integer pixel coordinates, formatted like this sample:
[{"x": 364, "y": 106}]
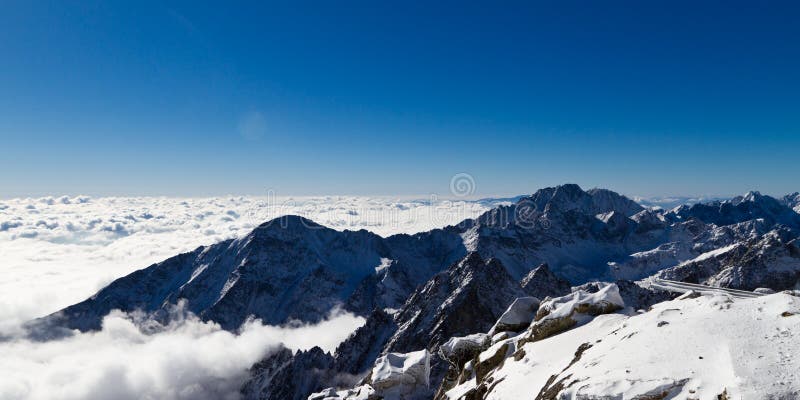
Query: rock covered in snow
[
  {"x": 403, "y": 374},
  {"x": 465, "y": 299},
  {"x": 458, "y": 350},
  {"x": 395, "y": 376},
  {"x": 555, "y": 317},
  {"x": 517, "y": 317}
]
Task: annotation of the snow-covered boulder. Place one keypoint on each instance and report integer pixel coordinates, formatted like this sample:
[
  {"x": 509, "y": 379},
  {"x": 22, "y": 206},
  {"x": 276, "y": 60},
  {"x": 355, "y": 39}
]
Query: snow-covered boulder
[
  {"x": 562, "y": 313},
  {"x": 517, "y": 317},
  {"x": 458, "y": 350},
  {"x": 363, "y": 392},
  {"x": 395, "y": 376},
  {"x": 402, "y": 376}
]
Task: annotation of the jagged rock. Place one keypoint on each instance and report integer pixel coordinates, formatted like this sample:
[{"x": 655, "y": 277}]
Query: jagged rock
[
  {"x": 518, "y": 316},
  {"x": 287, "y": 376},
  {"x": 639, "y": 297},
  {"x": 541, "y": 283},
  {"x": 357, "y": 353},
  {"x": 459, "y": 350},
  {"x": 395, "y": 376},
  {"x": 467, "y": 298}
]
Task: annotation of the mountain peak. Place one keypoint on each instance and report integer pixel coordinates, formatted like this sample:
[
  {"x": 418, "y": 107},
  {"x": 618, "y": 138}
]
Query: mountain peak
[
  {"x": 570, "y": 196},
  {"x": 290, "y": 221}
]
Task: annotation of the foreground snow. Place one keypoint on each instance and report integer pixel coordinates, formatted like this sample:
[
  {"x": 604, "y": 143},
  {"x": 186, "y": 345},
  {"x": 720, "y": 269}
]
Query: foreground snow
[{"x": 689, "y": 348}]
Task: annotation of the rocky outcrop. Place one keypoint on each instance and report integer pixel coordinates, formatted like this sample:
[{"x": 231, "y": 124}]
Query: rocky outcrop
[
  {"x": 517, "y": 317},
  {"x": 563, "y": 313},
  {"x": 465, "y": 299},
  {"x": 395, "y": 376},
  {"x": 554, "y": 316},
  {"x": 541, "y": 283},
  {"x": 286, "y": 376}
]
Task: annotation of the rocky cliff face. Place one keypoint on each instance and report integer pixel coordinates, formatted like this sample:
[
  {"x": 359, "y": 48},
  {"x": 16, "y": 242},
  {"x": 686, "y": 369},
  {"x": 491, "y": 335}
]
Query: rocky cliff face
[
  {"x": 541, "y": 283},
  {"x": 466, "y": 298},
  {"x": 289, "y": 268}
]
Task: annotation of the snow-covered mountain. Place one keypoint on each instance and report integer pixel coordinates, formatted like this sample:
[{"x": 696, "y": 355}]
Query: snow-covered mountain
[
  {"x": 792, "y": 200},
  {"x": 292, "y": 268},
  {"x": 419, "y": 292}
]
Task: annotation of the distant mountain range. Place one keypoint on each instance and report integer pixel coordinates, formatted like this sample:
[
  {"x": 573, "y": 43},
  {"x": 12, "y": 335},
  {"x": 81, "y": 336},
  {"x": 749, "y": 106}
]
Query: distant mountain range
[{"x": 419, "y": 291}]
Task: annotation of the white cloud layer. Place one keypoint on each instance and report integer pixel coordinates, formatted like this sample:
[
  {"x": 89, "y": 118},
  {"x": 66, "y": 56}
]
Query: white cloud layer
[{"x": 187, "y": 359}]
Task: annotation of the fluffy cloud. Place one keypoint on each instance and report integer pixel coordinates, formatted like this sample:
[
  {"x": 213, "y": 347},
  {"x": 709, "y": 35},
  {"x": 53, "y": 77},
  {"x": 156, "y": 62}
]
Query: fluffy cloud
[{"x": 133, "y": 357}]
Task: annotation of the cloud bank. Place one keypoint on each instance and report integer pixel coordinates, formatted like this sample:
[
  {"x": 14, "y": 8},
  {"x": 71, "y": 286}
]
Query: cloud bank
[{"x": 133, "y": 357}]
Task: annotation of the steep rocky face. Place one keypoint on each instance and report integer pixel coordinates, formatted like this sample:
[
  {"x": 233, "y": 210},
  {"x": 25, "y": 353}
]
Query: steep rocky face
[
  {"x": 575, "y": 232},
  {"x": 289, "y": 268},
  {"x": 541, "y": 283},
  {"x": 466, "y": 298},
  {"x": 287, "y": 376},
  {"x": 356, "y": 355}
]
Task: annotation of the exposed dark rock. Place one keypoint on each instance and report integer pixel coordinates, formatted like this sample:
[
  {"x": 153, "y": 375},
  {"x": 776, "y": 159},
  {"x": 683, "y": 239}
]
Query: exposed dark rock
[{"x": 541, "y": 283}]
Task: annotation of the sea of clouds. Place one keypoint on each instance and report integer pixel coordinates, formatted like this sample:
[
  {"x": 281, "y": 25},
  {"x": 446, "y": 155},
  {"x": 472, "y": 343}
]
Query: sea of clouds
[{"x": 57, "y": 251}]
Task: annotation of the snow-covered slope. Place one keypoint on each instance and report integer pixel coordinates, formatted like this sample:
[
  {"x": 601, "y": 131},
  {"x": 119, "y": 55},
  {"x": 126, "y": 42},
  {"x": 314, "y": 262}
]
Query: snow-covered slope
[{"x": 689, "y": 348}]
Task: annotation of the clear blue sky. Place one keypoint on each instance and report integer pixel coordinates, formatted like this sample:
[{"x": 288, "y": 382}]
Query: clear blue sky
[{"x": 644, "y": 97}]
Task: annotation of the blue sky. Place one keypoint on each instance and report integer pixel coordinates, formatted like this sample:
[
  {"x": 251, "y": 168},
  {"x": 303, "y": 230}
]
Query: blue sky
[{"x": 394, "y": 98}]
